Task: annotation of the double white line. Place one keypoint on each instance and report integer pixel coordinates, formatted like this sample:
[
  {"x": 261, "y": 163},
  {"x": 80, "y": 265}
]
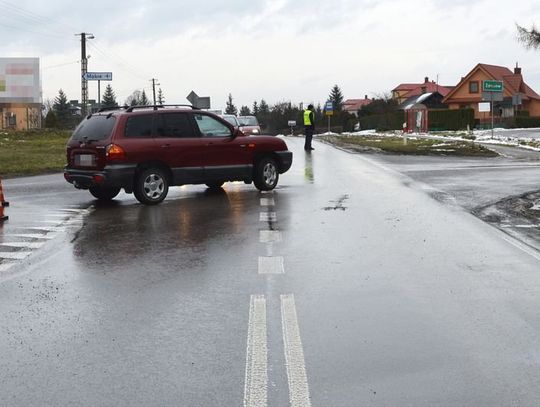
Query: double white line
[{"x": 256, "y": 382}]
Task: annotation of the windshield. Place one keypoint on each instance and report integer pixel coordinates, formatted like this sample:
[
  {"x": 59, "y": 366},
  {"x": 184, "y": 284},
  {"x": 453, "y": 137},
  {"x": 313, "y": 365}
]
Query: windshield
[
  {"x": 94, "y": 128},
  {"x": 248, "y": 121},
  {"x": 231, "y": 119}
]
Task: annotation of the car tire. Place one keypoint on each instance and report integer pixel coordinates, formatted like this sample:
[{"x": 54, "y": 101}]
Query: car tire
[
  {"x": 266, "y": 174},
  {"x": 104, "y": 193},
  {"x": 215, "y": 184},
  {"x": 151, "y": 186}
]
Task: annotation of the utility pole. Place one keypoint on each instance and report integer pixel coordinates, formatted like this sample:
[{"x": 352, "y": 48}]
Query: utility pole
[
  {"x": 84, "y": 68},
  {"x": 154, "y": 90}
]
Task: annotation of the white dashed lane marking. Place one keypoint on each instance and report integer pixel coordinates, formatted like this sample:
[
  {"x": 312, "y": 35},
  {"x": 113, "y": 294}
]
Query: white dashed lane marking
[
  {"x": 267, "y": 202},
  {"x": 14, "y": 255},
  {"x": 267, "y": 217},
  {"x": 30, "y": 235},
  {"x": 27, "y": 245},
  {"x": 269, "y": 236},
  {"x": 6, "y": 266},
  {"x": 256, "y": 381},
  {"x": 271, "y": 265}
]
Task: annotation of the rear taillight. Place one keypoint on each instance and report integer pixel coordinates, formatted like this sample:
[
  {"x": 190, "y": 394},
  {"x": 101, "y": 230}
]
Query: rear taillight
[{"x": 115, "y": 152}]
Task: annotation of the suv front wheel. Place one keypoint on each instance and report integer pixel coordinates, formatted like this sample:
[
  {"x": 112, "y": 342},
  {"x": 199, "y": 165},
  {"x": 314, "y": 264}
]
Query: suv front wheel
[
  {"x": 151, "y": 186},
  {"x": 266, "y": 174}
]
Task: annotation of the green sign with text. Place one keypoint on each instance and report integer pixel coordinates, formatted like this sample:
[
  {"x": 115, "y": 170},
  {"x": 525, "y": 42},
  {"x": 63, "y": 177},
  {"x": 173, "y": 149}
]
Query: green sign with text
[{"x": 492, "y": 86}]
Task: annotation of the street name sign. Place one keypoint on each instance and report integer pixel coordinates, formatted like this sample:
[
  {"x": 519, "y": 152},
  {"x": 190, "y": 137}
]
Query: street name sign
[
  {"x": 492, "y": 86},
  {"x": 98, "y": 76}
]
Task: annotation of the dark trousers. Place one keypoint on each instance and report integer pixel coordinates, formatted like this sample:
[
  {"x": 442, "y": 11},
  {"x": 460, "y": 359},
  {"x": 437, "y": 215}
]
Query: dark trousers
[{"x": 309, "y": 136}]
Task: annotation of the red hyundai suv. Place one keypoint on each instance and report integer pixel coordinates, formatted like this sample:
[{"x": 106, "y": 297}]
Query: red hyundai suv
[{"x": 146, "y": 149}]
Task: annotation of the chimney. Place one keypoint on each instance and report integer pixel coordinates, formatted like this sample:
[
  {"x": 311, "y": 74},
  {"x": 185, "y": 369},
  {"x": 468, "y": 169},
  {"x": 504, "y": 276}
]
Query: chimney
[
  {"x": 365, "y": 96},
  {"x": 517, "y": 70},
  {"x": 426, "y": 79}
]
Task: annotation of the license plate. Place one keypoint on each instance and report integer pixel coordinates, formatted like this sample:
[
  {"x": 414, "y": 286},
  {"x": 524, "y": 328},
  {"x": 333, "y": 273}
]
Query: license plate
[{"x": 85, "y": 160}]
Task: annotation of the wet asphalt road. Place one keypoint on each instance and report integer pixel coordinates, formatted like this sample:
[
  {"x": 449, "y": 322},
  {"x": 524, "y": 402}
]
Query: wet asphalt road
[
  {"x": 349, "y": 285},
  {"x": 500, "y": 190}
]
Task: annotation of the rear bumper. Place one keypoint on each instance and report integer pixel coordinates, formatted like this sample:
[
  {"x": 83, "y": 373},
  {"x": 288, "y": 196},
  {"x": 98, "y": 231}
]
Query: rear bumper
[
  {"x": 120, "y": 175},
  {"x": 285, "y": 158}
]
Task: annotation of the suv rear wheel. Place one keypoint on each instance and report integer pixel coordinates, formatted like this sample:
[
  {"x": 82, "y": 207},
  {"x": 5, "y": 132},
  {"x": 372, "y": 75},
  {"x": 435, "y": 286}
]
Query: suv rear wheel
[
  {"x": 104, "y": 193},
  {"x": 266, "y": 174},
  {"x": 151, "y": 186}
]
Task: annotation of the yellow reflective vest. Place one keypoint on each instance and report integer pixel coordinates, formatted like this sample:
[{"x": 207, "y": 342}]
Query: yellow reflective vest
[{"x": 307, "y": 119}]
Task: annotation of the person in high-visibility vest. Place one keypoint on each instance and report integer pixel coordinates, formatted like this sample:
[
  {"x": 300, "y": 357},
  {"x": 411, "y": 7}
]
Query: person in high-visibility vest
[{"x": 309, "y": 127}]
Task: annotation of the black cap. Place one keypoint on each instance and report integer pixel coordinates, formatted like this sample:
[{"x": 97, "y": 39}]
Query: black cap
[{"x": 310, "y": 107}]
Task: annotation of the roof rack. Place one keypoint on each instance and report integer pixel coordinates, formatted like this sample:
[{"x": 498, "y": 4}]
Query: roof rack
[
  {"x": 106, "y": 109},
  {"x": 156, "y": 107}
]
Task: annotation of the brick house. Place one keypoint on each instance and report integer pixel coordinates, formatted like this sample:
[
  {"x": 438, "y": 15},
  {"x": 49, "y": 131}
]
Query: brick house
[
  {"x": 468, "y": 92},
  {"x": 405, "y": 91},
  {"x": 354, "y": 105}
]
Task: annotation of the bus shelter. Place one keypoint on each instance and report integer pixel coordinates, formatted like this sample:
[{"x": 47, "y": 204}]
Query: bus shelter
[{"x": 416, "y": 118}]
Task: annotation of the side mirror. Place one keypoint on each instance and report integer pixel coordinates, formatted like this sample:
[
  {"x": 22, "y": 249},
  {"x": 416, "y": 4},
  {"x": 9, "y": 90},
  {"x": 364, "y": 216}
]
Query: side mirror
[{"x": 237, "y": 133}]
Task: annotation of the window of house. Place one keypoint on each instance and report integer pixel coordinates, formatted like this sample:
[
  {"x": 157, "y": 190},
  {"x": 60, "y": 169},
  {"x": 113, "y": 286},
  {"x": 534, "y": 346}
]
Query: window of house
[{"x": 473, "y": 87}]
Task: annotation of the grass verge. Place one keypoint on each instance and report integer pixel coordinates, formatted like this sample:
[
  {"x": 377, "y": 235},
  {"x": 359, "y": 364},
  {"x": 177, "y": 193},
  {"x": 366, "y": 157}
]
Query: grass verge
[
  {"x": 32, "y": 152},
  {"x": 413, "y": 146}
]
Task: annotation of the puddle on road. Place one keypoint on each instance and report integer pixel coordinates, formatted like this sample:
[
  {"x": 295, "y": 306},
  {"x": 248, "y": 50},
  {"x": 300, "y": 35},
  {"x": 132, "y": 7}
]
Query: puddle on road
[{"x": 338, "y": 204}]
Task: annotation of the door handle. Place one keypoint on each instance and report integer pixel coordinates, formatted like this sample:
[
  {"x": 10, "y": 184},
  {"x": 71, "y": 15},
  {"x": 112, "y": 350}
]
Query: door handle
[{"x": 165, "y": 146}]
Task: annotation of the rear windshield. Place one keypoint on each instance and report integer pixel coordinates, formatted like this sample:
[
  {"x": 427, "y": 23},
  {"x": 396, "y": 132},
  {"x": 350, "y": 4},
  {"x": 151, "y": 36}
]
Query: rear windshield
[
  {"x": 94, "y": 128},
  {"x": 248, "y": 121}
]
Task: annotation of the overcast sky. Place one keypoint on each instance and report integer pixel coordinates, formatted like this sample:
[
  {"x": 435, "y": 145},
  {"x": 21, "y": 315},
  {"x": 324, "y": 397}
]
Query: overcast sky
[{"x": 277, "y": 50}]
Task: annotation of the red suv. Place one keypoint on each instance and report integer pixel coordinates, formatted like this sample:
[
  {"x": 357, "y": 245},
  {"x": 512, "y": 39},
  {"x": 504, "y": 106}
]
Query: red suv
[{"x": 146, "y": 149}]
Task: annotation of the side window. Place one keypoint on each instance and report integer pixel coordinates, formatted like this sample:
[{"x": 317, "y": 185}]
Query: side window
[
  {"x": 139, "y": 126},
  {"x": 210, "y": 127},
  {"x": 175, "y": 125}
]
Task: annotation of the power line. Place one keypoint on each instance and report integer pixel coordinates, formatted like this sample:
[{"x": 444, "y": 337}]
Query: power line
[
  {"x": 31, "y": 16},
  {"x": 118, "y": 61},
  {"x": 59, "y": 65}
]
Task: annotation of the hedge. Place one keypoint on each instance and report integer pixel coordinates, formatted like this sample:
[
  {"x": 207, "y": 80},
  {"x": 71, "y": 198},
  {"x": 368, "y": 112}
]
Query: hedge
[{"x": 451, "y": 119}]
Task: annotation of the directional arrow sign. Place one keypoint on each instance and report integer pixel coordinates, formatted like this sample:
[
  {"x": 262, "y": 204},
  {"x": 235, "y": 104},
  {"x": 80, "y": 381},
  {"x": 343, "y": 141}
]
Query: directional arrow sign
[
  {"x": 98, "y": 76},
  {"x": 192, "y": 97},
  {"x": 197, "y": 101}
]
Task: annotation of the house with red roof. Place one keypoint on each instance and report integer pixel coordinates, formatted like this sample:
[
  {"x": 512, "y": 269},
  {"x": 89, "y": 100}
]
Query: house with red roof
[
  {"x": 354, "y": 105},
  {"x": 468, "y": 92},
  {"x": 405, "y": 91}
]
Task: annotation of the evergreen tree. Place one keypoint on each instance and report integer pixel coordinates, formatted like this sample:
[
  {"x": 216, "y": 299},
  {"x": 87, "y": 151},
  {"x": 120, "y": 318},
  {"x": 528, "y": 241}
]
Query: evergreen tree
[
  {"x": 263, "y": 107},
  {"x": 255, "y": 108},
  {"x": 160, "y": 97},
  {"x": 263, "y": 114},
  {"x": 531, "y": 38},
  {"x": 336, "y": 97},
  {"x": 61, "y": 110},
  {"x": 51, "y": 122},
  {"x": 244, "y": 111},
  {"x": 230, "y": 108},
  {"x": 144, "y": 100},
  {"x": 109, "y": 98}
]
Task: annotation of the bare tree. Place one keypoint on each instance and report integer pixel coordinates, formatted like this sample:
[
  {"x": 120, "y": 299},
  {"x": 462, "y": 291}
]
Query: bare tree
[{"x": 530, "y": 38}]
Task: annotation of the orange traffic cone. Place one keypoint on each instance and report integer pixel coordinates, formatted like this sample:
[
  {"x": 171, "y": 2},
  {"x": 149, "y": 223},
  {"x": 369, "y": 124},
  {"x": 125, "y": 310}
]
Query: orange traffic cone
[{"x": 3, "y": 203}]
